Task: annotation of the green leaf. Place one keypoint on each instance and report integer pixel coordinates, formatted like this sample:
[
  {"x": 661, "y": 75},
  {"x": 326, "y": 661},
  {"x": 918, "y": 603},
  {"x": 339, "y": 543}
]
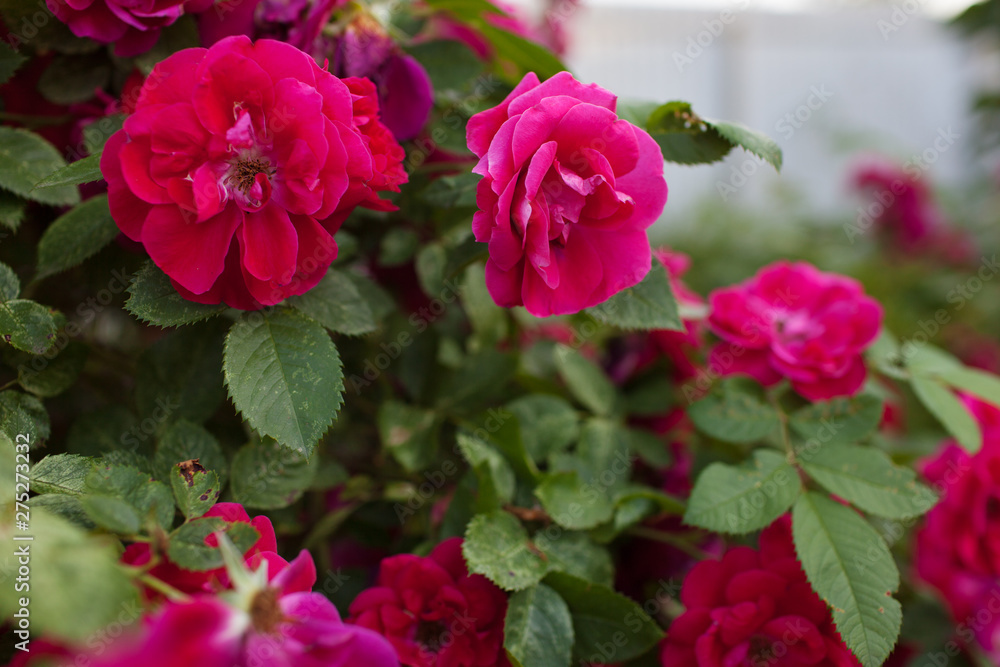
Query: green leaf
[
  {"x": 184, "y": 441},
  {"x": 649, "y": 305},
  {"x": 949, "y": 411},
  {"x": 685, "y": 138},
  {"x": 735, "y": 411},
  {"x": 187, "y": 548},
  {"x": 10, "y": 285},
  {"x": 379, "y": 301},
  {"x": 25, "y": 159},
  {"x": 47, "y": 377},
  {"x": 269, "y": 476},
  {"x": 866, "y": 478},
  {"x": 586, "y": 381},
  {"x": 974, "y": 381},
  {"x": 75, "y": 236},
  {"x": 576, "y": 554},
  {"x": 78, "y": 587},
  {"x": 538, "y": 629},
  {"x": 849, "y": 565},
  {"x": 573, "y": 503},
  {"x": 84, "y": 170},
  {"x": 494, "y": 474},
  {"x": 10, "y": 61},
  {"x": 548, "y": 424},
  {"x": 497, "y": 546},
  {"x": 603, "y": 618},
  {"x": 525, "y": 55},
  {"x": 22, "y": 413},
  {"x": 113, "y": 428},
  {"x": 112, "y": 514},
  {"x": 182, "y": 34},
  {"x": 97, "y": 133},
  {"x": 453, "y": 192},
  {"x": 27, "y": 325},
  {"x": 409, "y": 433},
  {"x": 12, "y": 210},
  {"x": 61, "y": 473},
  {"x": 73, "y": 79},
  {"x": 153, "y": 299},
  {"x": 482, "y": 377},
  {"x": 180, "y": 375},
  {"x": 450, "y": 64},
  {"x": 650, "y": 447},
  {"x": 337, "y": 304},
  {"x": 67, "y": 507},
  {"x": 841, "y": 420},
  {"x": 398, "y": 246},
  {"x": 284, "y": 375},
  {"x": 489, "y": 321},
  {"x": 749, "y": 140},
  {"x": 150, "y": 499},
  {"x": 742, "y": 499},
  {"x": 195, "y": 489}
]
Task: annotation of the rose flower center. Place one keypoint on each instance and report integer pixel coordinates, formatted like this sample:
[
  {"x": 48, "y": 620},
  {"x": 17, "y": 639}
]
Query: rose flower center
[
  {"x": 245, "y": 174},
  {"x": 265, "y": 612},
  {"x": 429, "y": 635}
]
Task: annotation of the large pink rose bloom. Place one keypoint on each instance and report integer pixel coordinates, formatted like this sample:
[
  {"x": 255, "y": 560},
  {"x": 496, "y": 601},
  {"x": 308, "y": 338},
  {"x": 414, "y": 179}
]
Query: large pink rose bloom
[
  {"x": 792, "y": 320},
  {"x": 568, "y": 191},
  {"x": 133, "y": 25},
  {"x": 434, "y": 612},
  {"x": 238, "y": 166},
  {"x": 958, "y": 547},
  {"x": 754, "y": 607}
]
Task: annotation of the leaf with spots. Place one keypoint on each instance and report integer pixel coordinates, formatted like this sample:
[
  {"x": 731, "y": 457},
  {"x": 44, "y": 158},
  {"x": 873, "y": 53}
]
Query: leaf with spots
[
  {"x": 497, "y": 546},
  {"x": 284, "y": 375},
  {"x": 195, "y": 488}
]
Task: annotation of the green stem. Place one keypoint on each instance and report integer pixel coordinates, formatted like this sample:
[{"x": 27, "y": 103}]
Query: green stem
[
  {"x": 163, "y": 587},
  {"x": 671, "y": 539}
]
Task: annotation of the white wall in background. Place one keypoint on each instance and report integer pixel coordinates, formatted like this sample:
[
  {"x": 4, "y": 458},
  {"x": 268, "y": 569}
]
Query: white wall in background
[{"x": 894, "y": 91}]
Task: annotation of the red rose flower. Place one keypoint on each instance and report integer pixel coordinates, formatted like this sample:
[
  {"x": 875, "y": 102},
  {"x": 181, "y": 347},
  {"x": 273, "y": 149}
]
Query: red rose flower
[
  {"x": 238, "y": 166},
  {"x": 434, "y": 612},
  {"x": 753, "y": 608}
]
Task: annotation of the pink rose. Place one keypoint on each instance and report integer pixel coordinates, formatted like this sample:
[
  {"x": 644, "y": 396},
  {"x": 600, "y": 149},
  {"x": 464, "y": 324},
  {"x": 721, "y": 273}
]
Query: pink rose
[
  {"x": 567, "y": 193},
  {"x": 133, "y": 26},
  {"x": 958, "y": 547},
  {"x": 792, "y": 320},
  {"x": 233, "y": 170},
  {"x": 754, "y": 607},
  {"x": 434, "y": 612}
]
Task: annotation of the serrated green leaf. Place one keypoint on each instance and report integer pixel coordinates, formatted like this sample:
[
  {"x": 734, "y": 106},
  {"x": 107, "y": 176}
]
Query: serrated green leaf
[
  {"x": 685, "y": 138},
  {"x": 649, "y": 305},
  {"x": 949, "y": 411},
  {"x": 27, "y": 325},
  {"x": 849, "y": 565},
  {"x": 78, "y": 588},
  {"x": 498, "y": 547},
  {"x": 452, "y": 191},
  {"x": 650, "y": 447},
  {"x": 482, "y": 377},
  {"x": 112, "y": 514},
  {"x": 10, "y": 285},
  {"x": 47, "y": 377},
  {"x": 84, "y": 170},
  {"x": 972, "y": 380},
  {"x": 841, "y": 420},
  {"x": 12, "y": 210},
  {"x": 62, "y": 505},
  {"x": 76, "y": 235},
  {"x": 573, "y": 503},
  {"x": 576, "y": 554},
  {"x": 150, "y": 499},
  {"x": 24, "y": 414},
  {"x": 153, "y": 299},
  {"x": 284, "y": 375},
  {"x": 492, "y": 471},
  {"x": 187, "y": 547},
  {"x": 866, "y": 478},
  {"x": 601, "y": 618},
  {"x": 184, "y": 441},
  {"x": 25, "y": 159},
  {"x": 450, "y": 64},
  {"x": 527, "y": 56},
  {"x": 337, "y": 304},
  {"x": 379, "y": 301},
  {"x": 61, "y": 473},
  {"x": 586, "y": 381},
  {"x": 749, "y": 140},
  {"x": 742, "y": 499},
  {"x": 10, "y": 61},
  {"x": 548, "y": 424},
  {"x": 269, "y": 476},
  {"x": 735, "y": 411},
  {"x": 538, "y": 629},
  {"x": 195, "y": 489}
]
